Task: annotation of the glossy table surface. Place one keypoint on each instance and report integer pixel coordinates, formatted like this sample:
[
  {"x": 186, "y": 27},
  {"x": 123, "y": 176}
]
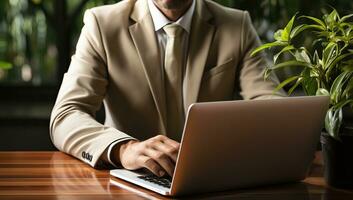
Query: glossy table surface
[{"x": 55, "y": 175}]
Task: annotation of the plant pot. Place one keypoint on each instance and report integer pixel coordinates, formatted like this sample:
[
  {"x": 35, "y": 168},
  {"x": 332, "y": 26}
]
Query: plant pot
[{"x": 338, "y": 161}]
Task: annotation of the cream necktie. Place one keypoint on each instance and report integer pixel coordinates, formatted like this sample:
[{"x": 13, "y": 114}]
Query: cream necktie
[{"x": 173, "y": 80}]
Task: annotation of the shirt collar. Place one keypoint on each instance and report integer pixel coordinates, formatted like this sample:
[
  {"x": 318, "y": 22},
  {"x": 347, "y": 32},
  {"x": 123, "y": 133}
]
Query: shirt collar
[{"x": 159, "y": 20}]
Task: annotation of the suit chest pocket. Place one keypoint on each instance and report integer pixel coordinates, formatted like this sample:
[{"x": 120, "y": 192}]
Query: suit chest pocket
[
  {"x": 218, "y": 83},
  {"x": 228, "y": 65}
]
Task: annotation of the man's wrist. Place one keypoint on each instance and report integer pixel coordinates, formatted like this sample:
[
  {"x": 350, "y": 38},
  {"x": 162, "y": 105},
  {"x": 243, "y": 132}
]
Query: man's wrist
[{"x": 115, "y": 151}]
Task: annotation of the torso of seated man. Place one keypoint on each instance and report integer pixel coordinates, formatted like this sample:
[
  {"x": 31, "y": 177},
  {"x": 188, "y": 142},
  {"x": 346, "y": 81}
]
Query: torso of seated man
[{"x": 158, "y": 58}]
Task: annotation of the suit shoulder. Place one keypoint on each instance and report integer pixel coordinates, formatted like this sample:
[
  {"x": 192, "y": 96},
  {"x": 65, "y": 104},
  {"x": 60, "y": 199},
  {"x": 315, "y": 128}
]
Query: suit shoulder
[
  {"x": 224, "y": 15},
  {"x": 108, "y": 15}
]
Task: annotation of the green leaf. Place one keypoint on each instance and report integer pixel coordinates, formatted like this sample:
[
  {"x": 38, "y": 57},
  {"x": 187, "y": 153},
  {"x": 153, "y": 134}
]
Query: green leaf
[
  {"x": 316, "y": 58},
  {"x": 318, "y": 21},
  {"x": 344, "y": 18},
  {"x": 285, "y": 49},
  {"x": 332, "y": 64},
  {"x": 291, "y": 90},
  {"x": 332, "y": 17},
  {"x": 266, "y": 46},
  {"x": 288, "y": 29},
  {"x": 329, "y": 54},
  {"x": 314, "y": 73},
  {"x": 5, "y": 65},
  {"x": 337, "y": 86},
  {"x": 348, "y": 91},
  {"x": 297, "y": 30},
  {"x": 310, "y": 85},
  {"x": 333, "y": 122},
  {"x": 312, "y": 26},
  {"x": 291, "y": 63},
  {"x": 278, "y": 35},
  {"x": 302, "y": 55},
  {"x": 285, "y": 36},
  {"x": 334, "y": 118},
  {"x": 341, "y": 57},
  {"x": 343, "y": 104},
  {"x": 286, "y": 82},
  {"x": 322, "y": 92}
]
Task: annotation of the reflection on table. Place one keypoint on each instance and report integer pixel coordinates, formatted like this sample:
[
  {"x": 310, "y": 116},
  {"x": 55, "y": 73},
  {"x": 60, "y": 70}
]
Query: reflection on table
[{"x": 54, "y": 175}]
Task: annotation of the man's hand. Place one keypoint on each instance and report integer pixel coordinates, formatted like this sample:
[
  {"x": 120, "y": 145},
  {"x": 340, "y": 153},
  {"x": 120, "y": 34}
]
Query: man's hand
[{"x": 158, "y": 154}]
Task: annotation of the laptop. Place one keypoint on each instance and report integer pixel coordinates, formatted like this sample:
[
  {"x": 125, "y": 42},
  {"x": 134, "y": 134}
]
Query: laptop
[{"x": 240, "y": 144}]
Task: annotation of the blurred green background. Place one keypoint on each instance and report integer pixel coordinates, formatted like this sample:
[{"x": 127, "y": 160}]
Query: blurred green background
[{"x": 38, "y": 38}]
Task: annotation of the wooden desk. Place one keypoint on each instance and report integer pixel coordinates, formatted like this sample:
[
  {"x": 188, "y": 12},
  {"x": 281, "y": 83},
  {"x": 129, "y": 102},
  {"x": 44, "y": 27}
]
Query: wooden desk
[{"x": 54, "y": 175}]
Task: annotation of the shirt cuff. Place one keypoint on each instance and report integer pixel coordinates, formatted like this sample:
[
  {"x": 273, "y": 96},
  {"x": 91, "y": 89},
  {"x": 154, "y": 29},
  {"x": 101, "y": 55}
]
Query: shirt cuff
[{"x": 111, "y": 146}]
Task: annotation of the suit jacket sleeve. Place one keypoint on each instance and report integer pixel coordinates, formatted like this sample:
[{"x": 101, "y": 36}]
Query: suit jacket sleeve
[
  {"x": 73, "y": 128},
  {"x": 252, "y": 81}
]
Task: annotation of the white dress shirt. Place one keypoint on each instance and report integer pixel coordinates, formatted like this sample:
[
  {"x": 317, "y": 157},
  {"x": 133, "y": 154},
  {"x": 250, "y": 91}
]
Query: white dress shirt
[{"x": 159, "y": 21}]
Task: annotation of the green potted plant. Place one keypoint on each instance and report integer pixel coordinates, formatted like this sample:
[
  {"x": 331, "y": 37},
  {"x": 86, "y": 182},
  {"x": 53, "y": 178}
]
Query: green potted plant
[{"x": 324, "y": 66}]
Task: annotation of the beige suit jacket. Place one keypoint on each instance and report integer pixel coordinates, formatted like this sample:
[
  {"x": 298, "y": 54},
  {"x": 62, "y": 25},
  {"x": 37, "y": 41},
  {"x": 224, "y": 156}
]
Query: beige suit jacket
[{"x": 117, "y": 62}]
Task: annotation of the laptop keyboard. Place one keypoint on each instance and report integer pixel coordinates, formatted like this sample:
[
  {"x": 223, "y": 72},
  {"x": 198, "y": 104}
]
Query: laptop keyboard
[{"x": 162, "y": 181}]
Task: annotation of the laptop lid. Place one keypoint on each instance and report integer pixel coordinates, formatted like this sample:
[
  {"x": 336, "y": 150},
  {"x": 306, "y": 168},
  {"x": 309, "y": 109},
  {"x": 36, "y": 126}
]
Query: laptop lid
[{"x": 238, "y": 144}]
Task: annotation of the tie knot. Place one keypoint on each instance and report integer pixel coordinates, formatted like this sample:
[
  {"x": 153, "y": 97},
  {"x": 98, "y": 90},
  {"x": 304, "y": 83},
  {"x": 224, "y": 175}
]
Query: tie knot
[{"x": 173, "y": 30}]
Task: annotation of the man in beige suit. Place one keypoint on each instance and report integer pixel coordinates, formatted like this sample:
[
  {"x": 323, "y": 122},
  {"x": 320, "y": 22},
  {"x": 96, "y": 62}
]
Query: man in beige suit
[{"x": 147, "y": 61}]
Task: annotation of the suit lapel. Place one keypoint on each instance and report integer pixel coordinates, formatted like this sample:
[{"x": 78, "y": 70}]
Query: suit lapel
[
  {"x": 144, "y": 38},
  {"x": 201, "y": 36}
]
